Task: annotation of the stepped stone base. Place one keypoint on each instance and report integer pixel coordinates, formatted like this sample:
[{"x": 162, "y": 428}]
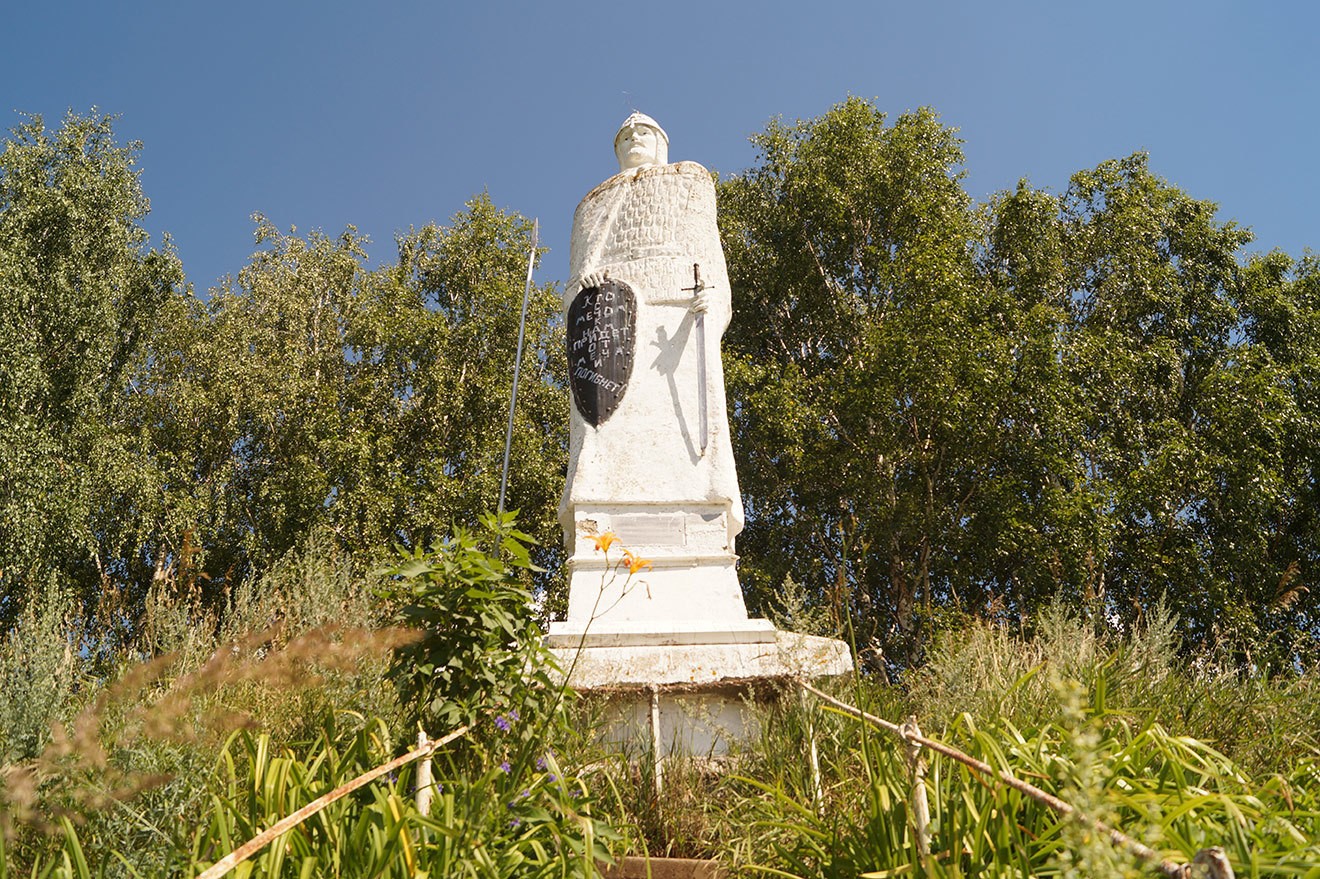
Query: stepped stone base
[
  {"x": 670, "y": 646},
  {"x": 690, "y": 654},
  {"x": 688, "y": 688}
]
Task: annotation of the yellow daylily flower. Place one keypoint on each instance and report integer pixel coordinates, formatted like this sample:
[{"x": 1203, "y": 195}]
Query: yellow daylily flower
[{"x": 635, "y": 563}]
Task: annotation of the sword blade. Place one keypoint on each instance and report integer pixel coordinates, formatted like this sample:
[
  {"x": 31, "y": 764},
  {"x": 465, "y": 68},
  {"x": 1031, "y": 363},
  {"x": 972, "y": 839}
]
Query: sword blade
[
  {"x": 701, "y": 380},
  {"x": 697, "y": 286}
]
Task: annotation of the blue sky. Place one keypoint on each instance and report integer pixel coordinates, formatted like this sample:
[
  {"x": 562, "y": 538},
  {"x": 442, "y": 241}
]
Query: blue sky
[{"x": 386, "y": 115}]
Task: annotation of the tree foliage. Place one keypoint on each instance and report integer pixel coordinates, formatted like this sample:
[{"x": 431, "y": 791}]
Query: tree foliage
[
  {"x": 157, "y": 441},
  {"x": 944, "y": 408},
  {"x": 316, "y": 394},
  {"x": 79, "y": 291},
  {"x": 854, "y": 285}
]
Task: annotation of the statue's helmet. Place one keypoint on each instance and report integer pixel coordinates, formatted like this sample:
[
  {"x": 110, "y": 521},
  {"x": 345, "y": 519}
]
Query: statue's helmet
[{"x": 635, "y": 120}]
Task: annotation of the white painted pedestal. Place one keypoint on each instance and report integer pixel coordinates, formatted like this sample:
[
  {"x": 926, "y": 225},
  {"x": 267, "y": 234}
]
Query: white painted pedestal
[{"x": 672, "y": 647}]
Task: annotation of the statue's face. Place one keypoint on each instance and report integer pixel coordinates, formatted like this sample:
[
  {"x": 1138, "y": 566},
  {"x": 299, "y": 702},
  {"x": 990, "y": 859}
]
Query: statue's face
[{"x": 639, "y": 145}]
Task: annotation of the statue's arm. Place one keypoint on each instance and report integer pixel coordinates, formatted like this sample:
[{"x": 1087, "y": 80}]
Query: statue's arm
[{"x": 698, "y": 304}]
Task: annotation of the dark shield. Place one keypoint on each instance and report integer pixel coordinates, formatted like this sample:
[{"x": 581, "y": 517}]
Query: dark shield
[{"x": 601, "y": 324}]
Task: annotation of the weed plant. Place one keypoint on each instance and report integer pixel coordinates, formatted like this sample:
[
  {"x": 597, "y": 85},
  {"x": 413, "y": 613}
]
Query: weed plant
[{"x": 38, "y": 674}]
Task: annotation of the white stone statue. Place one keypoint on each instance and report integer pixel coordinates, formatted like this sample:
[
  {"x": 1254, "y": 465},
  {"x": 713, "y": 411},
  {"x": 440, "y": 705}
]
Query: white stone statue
[
  {"x": 650, "y": 461},
  {"x": 659, "y": 471}
]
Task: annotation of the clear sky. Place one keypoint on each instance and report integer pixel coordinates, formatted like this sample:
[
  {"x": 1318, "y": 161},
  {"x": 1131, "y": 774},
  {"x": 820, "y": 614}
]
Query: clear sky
[{"x": 389, "y": 114}]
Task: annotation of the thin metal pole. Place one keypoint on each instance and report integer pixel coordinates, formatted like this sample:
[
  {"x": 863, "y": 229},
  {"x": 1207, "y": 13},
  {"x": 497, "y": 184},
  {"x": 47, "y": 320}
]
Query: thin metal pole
[{"x": 517, "y": 363}]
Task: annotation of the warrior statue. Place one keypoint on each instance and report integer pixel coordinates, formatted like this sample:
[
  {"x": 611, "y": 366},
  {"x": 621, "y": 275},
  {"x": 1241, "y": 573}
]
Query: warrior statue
[
  {"x": 649, "y": 451},
  {"x": 650, "y": 462}
]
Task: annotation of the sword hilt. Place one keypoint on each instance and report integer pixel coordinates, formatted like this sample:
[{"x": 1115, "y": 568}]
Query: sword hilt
[{"x": 697, "y": 284}]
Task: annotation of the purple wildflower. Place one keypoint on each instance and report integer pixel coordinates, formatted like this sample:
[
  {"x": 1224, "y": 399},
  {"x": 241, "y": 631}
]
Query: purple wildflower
[
  {"x": 540, "y": 762},
  {"x": 505, "y": 767},
  {"x": 551, "y": 777},
  {"x": 513, "y": 715},
  {"x": 502, "y": 723}
]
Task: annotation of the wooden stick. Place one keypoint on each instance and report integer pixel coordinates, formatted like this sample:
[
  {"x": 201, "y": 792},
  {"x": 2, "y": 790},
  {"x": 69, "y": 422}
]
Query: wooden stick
[
  {"x": 425, "y": 785},
  {"x": 261, "y": 840},
  {"x": 817, "y": 786},
  {"x": 917, "y": 778}
]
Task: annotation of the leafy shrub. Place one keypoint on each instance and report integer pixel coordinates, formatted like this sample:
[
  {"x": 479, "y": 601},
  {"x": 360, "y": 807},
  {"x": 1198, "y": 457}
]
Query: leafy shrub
[{"x": 480, "y": 647}]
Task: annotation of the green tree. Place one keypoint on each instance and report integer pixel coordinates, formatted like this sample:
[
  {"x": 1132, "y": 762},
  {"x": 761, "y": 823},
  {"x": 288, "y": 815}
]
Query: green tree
[
  {"x": 1035, "y": 530},
  {"x": 314, "y": 394},
  {"x": 1184, "y": 418},
  {"x": 79, "y": 291},
  {"x": 865, "y": 362},
  {"x": 945, "y": 409},
  {"x": 1279, "y": 306},
  {"x": 467, "y": 283}
]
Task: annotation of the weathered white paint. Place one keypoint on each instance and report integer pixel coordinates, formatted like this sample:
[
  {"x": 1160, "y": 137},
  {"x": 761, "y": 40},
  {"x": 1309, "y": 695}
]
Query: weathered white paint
[{"x": 612, "y": 659}]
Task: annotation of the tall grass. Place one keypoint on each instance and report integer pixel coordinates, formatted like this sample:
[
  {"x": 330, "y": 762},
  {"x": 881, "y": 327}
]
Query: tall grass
[
  {"x": 219, "y": 722},
  {"x": 1106, "y": 723},
  {"x": 119, "y": 741}
]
